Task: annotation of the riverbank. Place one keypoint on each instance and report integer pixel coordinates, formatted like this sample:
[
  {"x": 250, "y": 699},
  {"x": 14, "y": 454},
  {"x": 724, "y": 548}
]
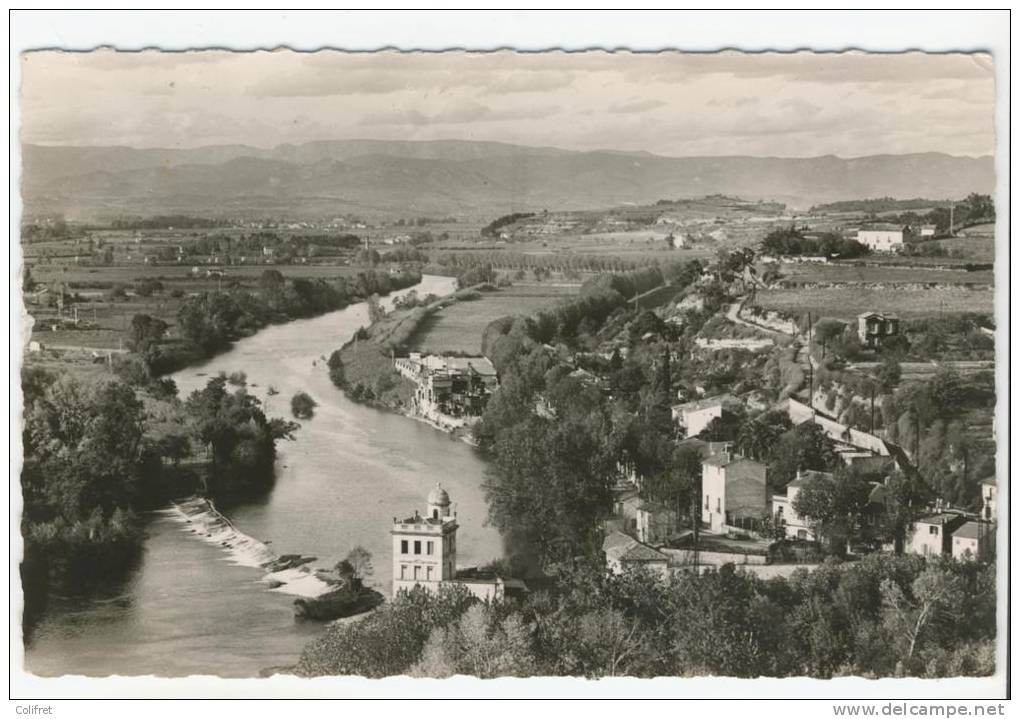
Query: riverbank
[
  {"x": 187, "y": 609},
  {"x": 363, "y": 367}
]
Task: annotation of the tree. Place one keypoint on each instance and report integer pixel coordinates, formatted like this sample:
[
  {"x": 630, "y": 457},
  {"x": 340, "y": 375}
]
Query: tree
[
  {"x": 303, "y": 406},
  {"x": 806, "y": 446},
  {"x": 836, "y": 506},
  {"x": 935, "y": 600},
  {"x": 479, "y": 645},
  {"x": 758, "y": 437},
  {"x": 550, "y": 484},
  {"x": 888, "y": 374},
  {"x": 360, "y": 561}
]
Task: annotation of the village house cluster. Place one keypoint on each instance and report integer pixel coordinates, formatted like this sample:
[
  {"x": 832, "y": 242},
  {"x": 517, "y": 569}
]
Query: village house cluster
[
  {"x": 736, "y": 498},
  {"x": 449, "y": 391}
]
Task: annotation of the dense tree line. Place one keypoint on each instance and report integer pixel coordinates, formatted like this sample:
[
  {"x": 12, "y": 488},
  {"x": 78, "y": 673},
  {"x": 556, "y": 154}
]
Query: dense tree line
[
  {"x": 97, "y": 452},
  {"x": 167, "y": 222},
  {"x": 881, "y": 616},
  {"x": 791, "y": 241},
  {"x": 491, "y": 229},
  {"x": 210, "y": 321}
]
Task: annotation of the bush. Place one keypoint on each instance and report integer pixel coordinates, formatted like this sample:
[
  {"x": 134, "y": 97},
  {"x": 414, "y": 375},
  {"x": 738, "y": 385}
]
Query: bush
[
  {"x": 303, "y": 406},
  {"x": 238, "y": 379}
]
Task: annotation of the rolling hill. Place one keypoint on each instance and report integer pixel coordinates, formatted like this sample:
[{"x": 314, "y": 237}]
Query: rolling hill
[{"x": 473, "y": 179}]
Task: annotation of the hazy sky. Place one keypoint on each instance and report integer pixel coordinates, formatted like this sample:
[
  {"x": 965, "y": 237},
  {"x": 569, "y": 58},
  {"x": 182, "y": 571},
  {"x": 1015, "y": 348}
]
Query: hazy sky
[{"x": 668, "y": 103}]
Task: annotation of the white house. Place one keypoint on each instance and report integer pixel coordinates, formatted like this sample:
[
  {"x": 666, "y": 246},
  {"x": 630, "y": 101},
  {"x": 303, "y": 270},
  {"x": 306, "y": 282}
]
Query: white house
[
  {"x": 425, "y": 552},
  {"x": 881, "y": 237},
  {"x": 974, "y": 540},
  {"x": 797, "y": 526},
  {"x": 734, "y": 490},
  {"x": 931, "y": 535},
  {"x": 926, "y": 231},
  {"x": 695, "y": 416}
]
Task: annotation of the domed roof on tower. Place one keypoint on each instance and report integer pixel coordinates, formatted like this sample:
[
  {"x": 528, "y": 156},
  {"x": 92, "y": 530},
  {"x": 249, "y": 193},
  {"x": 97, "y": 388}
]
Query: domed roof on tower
[{"x": 439, "y": 497}]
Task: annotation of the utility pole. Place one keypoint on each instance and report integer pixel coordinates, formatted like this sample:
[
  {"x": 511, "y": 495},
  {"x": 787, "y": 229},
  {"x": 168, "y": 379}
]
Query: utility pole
[
  {"x": 871, "y": 427},
  {"x": 952, "y": 210},
  {"x": 810, "y": 366}
]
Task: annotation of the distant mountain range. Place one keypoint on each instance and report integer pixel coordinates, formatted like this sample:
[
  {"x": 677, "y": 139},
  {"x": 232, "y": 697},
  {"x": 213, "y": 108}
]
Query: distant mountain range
[{"x": 471, "y": 179}]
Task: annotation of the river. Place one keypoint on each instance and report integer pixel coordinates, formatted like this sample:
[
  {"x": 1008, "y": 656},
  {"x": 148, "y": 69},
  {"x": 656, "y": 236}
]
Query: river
[{"x": 190, "y": 608}]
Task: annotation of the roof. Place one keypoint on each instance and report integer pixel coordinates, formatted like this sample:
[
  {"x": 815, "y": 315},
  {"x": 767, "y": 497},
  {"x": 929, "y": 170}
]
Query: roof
[
  {"x": 439, "y": 497},
  {"x": 989, "y": 480},
  {"x": 725, "y": 459},
  {"x": 419, "y": 519},
  {"x": 881, "y": 227},
  {"x": 623, "y": 548},
  {"x": 940, "y": 519},
  {"x": 971, "y": 530},
  {"x": 723, "y": 399},
  {"x": 638, "y": 552}
]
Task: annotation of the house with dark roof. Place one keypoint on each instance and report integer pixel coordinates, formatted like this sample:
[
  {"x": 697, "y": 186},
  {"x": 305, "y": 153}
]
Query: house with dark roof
[
  {"x": 873, "y": 328},
  {"x": 734, "y": 490},
  {"x": 623, "y": 552}
]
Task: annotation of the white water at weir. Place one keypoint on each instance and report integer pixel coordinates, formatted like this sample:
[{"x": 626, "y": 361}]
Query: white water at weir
[
  {"x": 204, "y": 604},
  {"x": 200, "y": 517}
]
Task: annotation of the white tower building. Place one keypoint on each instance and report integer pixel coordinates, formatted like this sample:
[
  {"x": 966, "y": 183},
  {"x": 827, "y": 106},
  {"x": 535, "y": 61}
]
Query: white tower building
[{"x": 425, "y": 547}]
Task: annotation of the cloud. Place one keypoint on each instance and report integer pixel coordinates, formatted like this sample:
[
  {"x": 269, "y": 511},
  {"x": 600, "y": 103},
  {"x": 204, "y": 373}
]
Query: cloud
[
  {"x": 460, "y": 115},
  {"x": 635, "y": 107}
]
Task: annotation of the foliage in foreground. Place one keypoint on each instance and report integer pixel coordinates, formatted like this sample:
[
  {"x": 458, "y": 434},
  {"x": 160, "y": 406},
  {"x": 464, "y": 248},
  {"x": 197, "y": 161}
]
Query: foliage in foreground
[{"x": 881, "y": 616}]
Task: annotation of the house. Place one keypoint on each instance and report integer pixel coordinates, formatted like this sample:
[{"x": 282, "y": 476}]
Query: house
[
  {"x": 425, "y": 552},
  {"x": 932, "y": 535},
  {"x": 654, "y": 522},
  {"x": 734, "y": 490},
  {"x": 926, "y": 231},
  {"x": 989, "y": 490},
  {"x": 695, "y": 416},
  {"x": 797, "y": 526},
  {"x": 881, "y": 237},
  {"x": 623, "y": 552},
  {"x": 449, "y": 389},
  {"x": 974, "y": 541},
  {"x": 626, "y": 502},
  {"x": 874, "y": 327}
]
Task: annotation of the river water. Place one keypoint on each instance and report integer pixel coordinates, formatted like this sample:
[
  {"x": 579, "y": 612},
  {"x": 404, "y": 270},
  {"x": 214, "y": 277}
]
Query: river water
[{"x": 190, "y": 608}]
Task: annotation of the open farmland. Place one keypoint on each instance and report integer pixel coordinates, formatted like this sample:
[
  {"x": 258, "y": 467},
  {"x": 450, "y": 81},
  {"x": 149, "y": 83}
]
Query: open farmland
[
  {"x": 104, "y": 321},
  {"x": 810, "y": 273},
  {"x": 847, "y": 302},
  {"x": 976, "y": 244},
  {"x": 459, "y": 327}
]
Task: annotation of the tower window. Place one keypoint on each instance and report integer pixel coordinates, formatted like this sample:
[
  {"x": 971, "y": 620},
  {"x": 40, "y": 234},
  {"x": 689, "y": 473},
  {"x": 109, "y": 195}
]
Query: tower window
[
  {"x": 403, "y": 546},
  {"x": 435, "y": 514},
  {"x": 417, "y": 547}
]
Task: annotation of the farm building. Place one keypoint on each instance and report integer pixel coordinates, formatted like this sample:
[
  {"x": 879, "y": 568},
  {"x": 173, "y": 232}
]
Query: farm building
[
  {"x": 881, "y": 237},
  {"x": 874, "y": 327}
]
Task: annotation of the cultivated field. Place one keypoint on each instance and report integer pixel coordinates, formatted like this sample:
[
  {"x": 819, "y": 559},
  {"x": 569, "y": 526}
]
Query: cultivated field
[
  {"x": 846, "y": 303},
  {"x": 459, "y": 327},
  {"x": 856, "y": 274}
]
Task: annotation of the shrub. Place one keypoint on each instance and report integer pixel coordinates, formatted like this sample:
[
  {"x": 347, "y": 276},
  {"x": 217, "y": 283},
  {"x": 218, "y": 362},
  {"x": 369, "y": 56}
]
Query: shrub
[{"x": 303, "y": 406}]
